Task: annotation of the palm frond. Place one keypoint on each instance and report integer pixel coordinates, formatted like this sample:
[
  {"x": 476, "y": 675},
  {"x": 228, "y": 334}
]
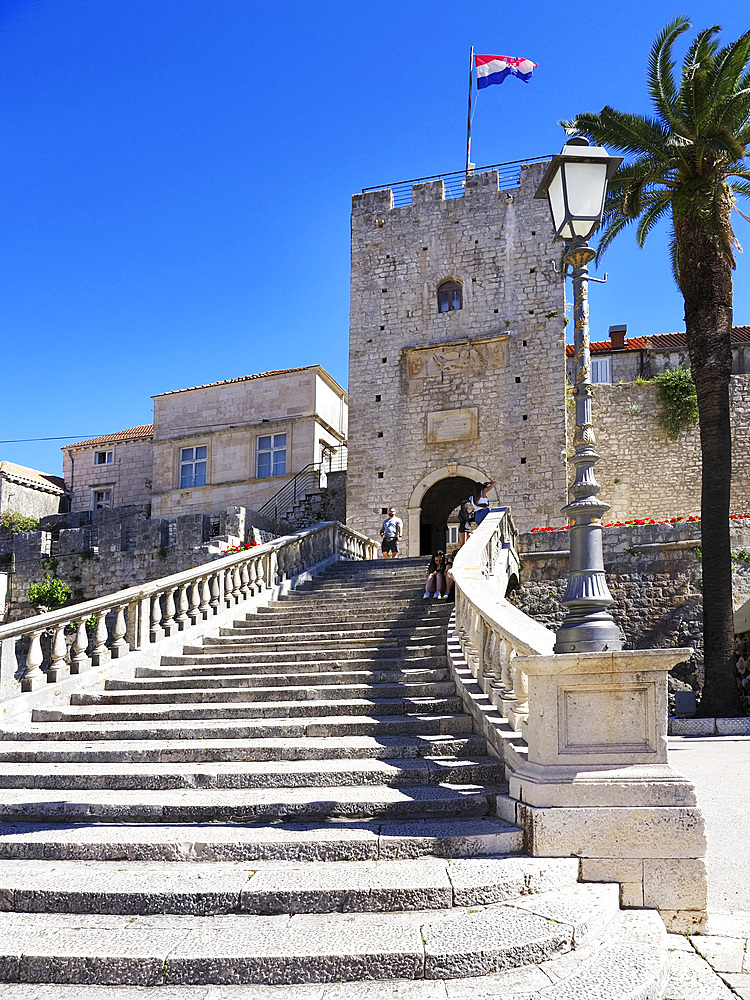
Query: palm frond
[
  {"x": 629, "y": 133},
  {"x": 661, "y": 81},
  {"x": 730, "y": 65},
  {"x": 696, "y": 67},
  {"x": 659, "y": 205}
]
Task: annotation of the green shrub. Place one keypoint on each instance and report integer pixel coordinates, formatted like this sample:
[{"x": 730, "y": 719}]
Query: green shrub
[
  {"x": 675, "y": 391},
  {"x": 51, "y": 592},
  {"x": 17, "y": 523}
]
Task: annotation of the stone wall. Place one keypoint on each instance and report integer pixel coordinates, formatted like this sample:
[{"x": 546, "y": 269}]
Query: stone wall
[
  {"x": 102, "y": 552},
  {"x": 327, "y": 504},
  {"x": 654, "y": 573},
  {"x": 644, "y": 474},
  {"x": 480, "y": 388}
]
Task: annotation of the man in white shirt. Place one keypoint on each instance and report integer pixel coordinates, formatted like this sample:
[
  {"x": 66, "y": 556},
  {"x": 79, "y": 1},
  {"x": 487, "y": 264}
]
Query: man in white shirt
[{"x": 391, "y": 531}]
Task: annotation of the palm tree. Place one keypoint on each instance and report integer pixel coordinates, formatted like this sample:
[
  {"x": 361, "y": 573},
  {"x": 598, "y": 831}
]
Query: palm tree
[{"x": 687, "y": 164}]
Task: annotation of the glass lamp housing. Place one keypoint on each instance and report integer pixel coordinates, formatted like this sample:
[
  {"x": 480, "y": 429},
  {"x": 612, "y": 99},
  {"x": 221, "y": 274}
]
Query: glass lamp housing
[{"x": 575, "y": 185}]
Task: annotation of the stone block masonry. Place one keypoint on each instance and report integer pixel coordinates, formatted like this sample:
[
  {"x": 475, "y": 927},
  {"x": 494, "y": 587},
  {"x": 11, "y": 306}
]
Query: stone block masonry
[
  {"x": 102, "y": 552},
  {"x": 654, "y": 572},
  {"x": 479, "y": 387}
]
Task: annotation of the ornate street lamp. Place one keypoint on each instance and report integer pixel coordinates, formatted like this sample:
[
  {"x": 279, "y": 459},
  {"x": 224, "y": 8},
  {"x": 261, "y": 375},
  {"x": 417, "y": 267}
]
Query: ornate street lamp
[{"x": 576, "y": 184}]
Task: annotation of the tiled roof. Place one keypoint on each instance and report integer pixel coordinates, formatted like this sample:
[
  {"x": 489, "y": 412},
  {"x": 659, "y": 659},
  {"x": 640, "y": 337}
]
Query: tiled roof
[
  {"x": 659, "y": 342},
  {"x": 32, "y": 477},
  {"x": 242, "y": 378},
  {"x": 132, "y": 434}
]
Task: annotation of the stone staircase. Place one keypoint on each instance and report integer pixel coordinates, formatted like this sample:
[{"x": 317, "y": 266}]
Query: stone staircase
[{"x": 298, "y": 800}]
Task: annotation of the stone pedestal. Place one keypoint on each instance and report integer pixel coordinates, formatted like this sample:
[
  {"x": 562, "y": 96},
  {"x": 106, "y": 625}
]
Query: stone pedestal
[{"x": 592, "y": 779}]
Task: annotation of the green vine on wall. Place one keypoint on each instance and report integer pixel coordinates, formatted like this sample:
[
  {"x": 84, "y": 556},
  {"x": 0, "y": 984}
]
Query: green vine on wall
[
  {"x": 17, "y": 523},
  {"x": 675, "y": 391}
]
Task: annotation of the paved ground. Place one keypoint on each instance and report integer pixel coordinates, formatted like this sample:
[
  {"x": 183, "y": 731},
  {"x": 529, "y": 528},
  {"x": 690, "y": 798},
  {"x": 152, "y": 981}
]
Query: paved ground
[{"x": 716, "y": 965}]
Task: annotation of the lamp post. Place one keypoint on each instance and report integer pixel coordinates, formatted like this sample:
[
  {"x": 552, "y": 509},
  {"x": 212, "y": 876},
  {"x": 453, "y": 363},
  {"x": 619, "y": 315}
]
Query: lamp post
[{"x": 576, "y": 184}]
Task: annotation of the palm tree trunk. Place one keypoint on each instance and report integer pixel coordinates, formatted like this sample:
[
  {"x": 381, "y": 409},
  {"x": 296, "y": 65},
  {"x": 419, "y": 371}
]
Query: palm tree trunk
[{"x": 705, "y": 267}]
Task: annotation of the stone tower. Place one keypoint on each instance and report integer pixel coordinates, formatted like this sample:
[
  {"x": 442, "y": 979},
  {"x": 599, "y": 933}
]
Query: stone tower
[{"x": 456, "y": 356}]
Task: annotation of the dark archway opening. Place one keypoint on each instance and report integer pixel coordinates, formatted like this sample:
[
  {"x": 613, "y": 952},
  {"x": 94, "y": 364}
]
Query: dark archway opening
[{"x": 437, "y": 504}]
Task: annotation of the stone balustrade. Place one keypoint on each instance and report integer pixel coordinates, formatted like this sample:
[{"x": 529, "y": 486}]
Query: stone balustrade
[
  {"x": 583, "y": 737},
  {"x": 130, "y": 620}
]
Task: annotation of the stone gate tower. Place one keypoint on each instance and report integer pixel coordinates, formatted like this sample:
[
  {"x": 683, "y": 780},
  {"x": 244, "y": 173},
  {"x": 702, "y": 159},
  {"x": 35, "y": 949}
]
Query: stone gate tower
[{"x": 456, "y": 356}]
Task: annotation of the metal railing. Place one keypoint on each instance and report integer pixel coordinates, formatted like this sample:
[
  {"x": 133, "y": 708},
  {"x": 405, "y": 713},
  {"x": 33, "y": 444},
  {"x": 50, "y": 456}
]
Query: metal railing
[
  {"x": 508, "y": 175},
  {"x": 309, "y": 478},
  {"x": 132, "y": 619}
]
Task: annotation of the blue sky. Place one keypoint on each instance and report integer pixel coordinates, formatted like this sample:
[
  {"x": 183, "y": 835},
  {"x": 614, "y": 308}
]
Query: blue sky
[{"x": 176, "y": 179}]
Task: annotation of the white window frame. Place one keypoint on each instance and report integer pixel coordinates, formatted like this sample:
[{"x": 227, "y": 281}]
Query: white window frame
[
  {"x": 452, "y": 535},
  {"x": 98, "y": 499},
  {"x": 270, "y": 455},
  {"x": 601, "y": 369},
  {"x": 103, "y": 457},
  {"x": 192, "y": 469}
]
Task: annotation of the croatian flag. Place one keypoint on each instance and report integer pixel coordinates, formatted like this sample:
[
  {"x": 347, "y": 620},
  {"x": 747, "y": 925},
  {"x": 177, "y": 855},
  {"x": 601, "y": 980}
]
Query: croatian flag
[{"x": 494, "y": 69}]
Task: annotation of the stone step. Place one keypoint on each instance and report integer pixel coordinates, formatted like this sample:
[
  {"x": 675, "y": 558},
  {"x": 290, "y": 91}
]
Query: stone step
[
  {"x": 252, "y": 774},
  {"x": 246, "y": 805},
  {"x": 414, "y": 657},
  {"x": 290, "y": 644},
  {"x": 263, "y": 888},
  {"x": 338, "y": 839},
  {"x": 154, "y": 682},
  {"x": 208, "y": 750},
  {"x": 187, "y": 666},
  {"x": 291, "y": 692},
  {"x": 635, "y": 968},
  {"x": 423, "y": 612},
  {"x": 355, "y": 630},
  {"x": 320, "y": 726},
  {"x": 249, "y": 710},
  {"x": 302, "y": 948}
]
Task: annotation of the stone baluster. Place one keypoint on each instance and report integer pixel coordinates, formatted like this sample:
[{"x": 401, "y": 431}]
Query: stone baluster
[
  {"x": 257, "y": 568},
  {"x": 79, "y": 661},
  {"x": 508, "y": 697},
  {"x": 245, "y": 589},
  {"x": 227, "y": 576},
  {"x": 215, "y": 585},
  {"x": 204, "y": 607},
  {"x": 168, "y": 623},
  {"x": 134, "y": 623},
  {"x": 239, "y": 594},
  {"x": 118, "y": 646},
  {"x": 194, "y": 614},
  {"x": 517, "y": 706},
  {"x": 100, "y": 639},
  {"x": 272, "y": 572},
  {"x": 59, "y": 668},
  {"x": 34, "y": 677},
  {"x": 156, "y": 632},
  {"x": 183, "y": 606}
]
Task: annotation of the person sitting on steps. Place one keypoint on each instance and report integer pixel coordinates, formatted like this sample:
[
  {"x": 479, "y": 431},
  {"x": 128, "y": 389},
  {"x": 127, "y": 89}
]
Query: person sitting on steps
[{"x": 435, "y": 583}]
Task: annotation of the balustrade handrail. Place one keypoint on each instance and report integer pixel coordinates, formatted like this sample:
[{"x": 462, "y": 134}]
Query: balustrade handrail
[
  {"x": 135, "y": 617},
  {"x": 494, "y": 635},
  {"x": 87, "y": 608}
]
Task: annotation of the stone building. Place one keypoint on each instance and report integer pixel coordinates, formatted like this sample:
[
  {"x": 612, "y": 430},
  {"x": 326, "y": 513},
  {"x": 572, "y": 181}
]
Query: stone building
[
  {"x": 456, "y": 363},
  {"x": 113, "y": 470},
  {"x": 239, "y": 441},
  {"x": 29, "y": 492},
  {"x": 624, "y": 359},
  {"x": 231, "y": 442}
]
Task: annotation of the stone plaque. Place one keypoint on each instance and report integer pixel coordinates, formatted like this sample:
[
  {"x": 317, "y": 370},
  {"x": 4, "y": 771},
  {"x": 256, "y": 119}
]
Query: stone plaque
[
  {"x": 460, "y": 358},
  {"x": 599, "y": 719},
  {"x": 452, "y": 425}
]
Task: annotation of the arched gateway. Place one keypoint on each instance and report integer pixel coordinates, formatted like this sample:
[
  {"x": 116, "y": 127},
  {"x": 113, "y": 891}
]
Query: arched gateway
[{"x": 432, "y": 500}]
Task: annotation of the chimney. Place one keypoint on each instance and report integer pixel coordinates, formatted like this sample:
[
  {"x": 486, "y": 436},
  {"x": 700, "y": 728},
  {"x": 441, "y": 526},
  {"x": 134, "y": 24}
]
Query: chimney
[{"x": 617, "y": 336}]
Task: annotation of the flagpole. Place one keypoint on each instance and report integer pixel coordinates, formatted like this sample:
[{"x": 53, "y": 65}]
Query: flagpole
[{"x": 468, "y": 119}]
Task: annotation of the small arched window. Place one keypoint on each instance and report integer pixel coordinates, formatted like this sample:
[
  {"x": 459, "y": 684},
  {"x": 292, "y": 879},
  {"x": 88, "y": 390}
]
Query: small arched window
[{"x": 450, "y": 297}]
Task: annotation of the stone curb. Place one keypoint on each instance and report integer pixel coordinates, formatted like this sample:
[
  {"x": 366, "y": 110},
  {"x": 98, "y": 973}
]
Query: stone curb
[{"x": 709, "y": 727}]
